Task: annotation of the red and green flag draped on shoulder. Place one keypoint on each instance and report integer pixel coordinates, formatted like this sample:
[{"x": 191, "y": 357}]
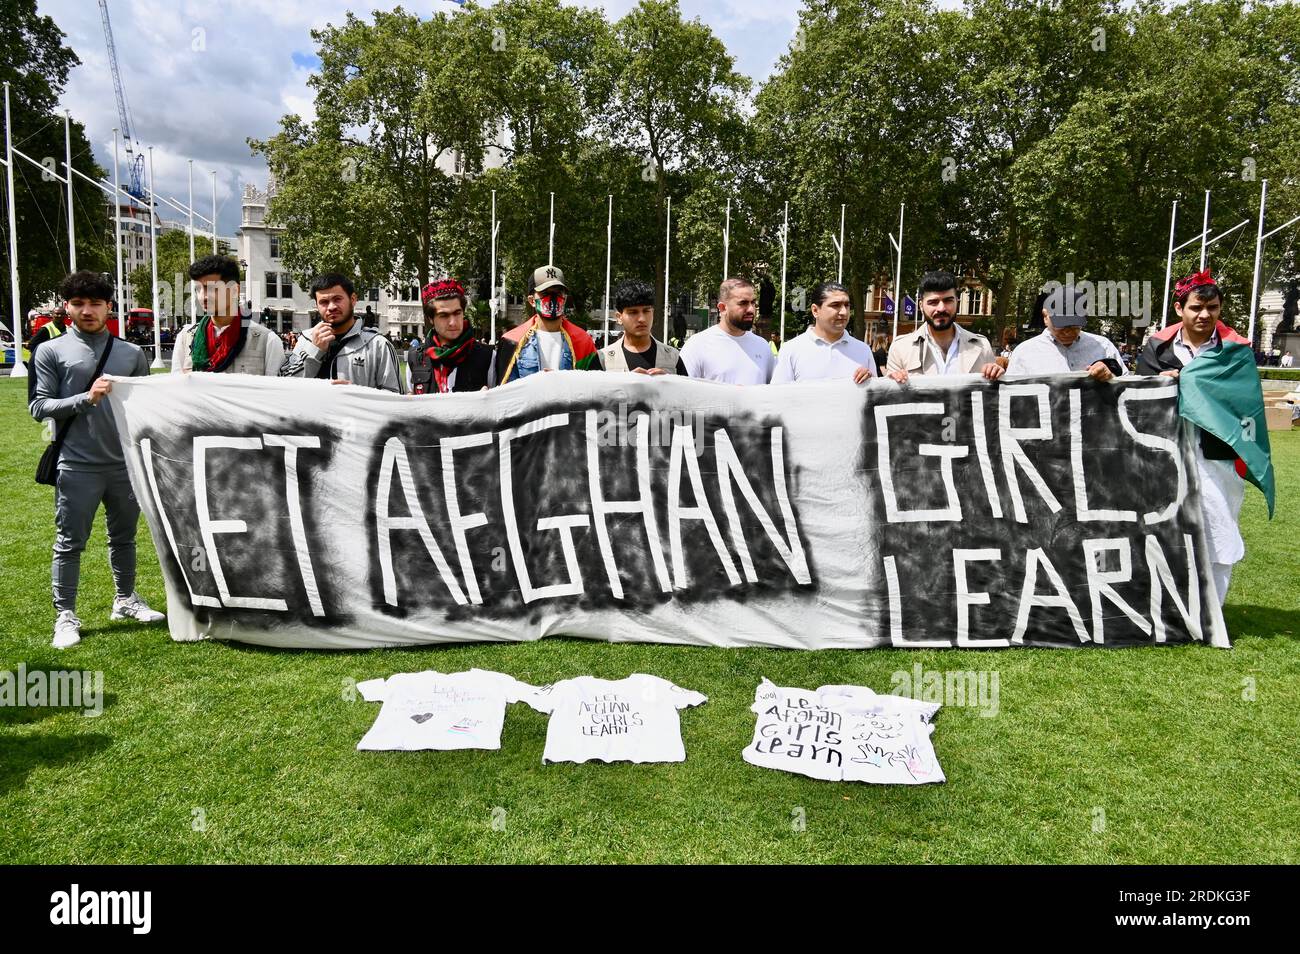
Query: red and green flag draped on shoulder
[{"x": 1220, "y": 393}]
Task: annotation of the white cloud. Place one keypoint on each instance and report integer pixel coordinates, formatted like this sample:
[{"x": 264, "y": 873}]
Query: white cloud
[{"x": 203, "y": 76}]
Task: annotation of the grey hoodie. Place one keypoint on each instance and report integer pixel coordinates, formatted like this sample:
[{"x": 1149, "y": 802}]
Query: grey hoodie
[{"x": 64, "y": 369}]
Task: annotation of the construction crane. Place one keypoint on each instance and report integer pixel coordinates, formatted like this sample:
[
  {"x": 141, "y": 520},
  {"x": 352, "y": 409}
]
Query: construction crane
[{"x": 134, "y": 158}]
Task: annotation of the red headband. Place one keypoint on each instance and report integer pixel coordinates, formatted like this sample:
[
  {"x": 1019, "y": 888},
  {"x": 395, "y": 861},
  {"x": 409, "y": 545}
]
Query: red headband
[
  {"x": 447, "y": 288},
  {"x": 1195, "y": 280}
]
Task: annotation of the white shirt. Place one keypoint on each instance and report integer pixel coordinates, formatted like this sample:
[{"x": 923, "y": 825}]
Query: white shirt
[
  {"x": 629, "y": 720},
  {"x": 1186, "y": 353},
  {"x": 1222, "y": 491},
  {"x": 550, "y": 346},
  {"x": 944, "y": 363},
  {"x": 810, "y": 357},
  {"x": 715, "y": 355},
  {"x": 1287, "y": 360},
  {"x": 434, "y": 710},
  {"x": 1043, "y": 354},
  {"x": 844, "y": 733}
]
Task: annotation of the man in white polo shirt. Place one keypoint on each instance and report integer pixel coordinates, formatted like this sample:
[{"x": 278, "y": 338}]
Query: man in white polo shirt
[
  {"x": 730, "y": 351},
  {"x": 1064, "y": 345},
  {"x": 826, "y": 352}
]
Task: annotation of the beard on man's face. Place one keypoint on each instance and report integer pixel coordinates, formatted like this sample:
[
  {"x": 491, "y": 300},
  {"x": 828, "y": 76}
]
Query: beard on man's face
[
  {"x": 345, "y": 315},
  {"x": 939, "y": 322}
]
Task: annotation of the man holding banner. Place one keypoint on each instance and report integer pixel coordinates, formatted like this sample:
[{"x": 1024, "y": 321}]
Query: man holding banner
[
  {"x": 730, "y": 351},
  {"x": 638, "y": 350},
  {"x": 1219, "y": 392},
  {"x": 454, "y": 360},
  {"x": 547, "y": 341},
  {"x": 1064, "y": 346},
  {"x": 826, "y": 351},
  {"x": 942, "y": 346},
  {"x": 339, "y": 348},
  {"x": 70, "y": 388}
]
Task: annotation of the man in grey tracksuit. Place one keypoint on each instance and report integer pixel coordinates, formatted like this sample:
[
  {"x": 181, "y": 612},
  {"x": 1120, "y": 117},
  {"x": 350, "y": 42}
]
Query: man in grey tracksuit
[
  {"x": 92, "y": 468},
  {"x": 338, "y": 348}
]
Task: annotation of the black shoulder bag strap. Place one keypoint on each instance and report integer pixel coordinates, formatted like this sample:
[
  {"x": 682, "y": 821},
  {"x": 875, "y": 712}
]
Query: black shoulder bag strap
[{"x": 47, "y": 467}]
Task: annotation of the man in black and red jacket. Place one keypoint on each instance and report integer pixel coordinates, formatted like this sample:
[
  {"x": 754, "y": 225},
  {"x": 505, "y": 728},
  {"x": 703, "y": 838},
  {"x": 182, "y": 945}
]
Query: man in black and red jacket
[{"x": 454, "y": 360}]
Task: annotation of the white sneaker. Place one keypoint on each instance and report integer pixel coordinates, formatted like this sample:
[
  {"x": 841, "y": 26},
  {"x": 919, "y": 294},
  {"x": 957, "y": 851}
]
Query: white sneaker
[
  {"x": 132, "y": 607},
  {"x": 67, "y": 630}
]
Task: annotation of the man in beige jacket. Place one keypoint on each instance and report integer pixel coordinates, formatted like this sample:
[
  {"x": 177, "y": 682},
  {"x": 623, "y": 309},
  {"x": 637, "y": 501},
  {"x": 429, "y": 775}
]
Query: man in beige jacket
[{"x": 942, "y": 346}]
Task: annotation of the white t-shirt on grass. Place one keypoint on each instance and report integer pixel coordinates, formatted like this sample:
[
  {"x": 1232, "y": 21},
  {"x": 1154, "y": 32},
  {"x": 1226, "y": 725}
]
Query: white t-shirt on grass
[
  {"x": 434, "y": 710},
  {"x": 626, "y": 720},
  {"x": 844, "y": 733}
]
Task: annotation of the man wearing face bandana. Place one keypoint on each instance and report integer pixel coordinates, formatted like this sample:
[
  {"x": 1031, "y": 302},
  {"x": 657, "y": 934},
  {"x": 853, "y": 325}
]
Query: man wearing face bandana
[{"x": 547, "y": 341}]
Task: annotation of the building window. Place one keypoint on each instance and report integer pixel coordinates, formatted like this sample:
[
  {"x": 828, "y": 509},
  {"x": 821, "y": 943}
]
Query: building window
[
  {"x": 286, "y": 286},
  {"x": 972, "y": 301},
  {"x": 272, "y": 290},
  {"x": 275, "y": 246},
  {"x": 374, "y": 294}
]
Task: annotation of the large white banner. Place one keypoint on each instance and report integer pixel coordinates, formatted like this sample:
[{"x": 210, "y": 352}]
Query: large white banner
[{"x": 1038, "y": 512}]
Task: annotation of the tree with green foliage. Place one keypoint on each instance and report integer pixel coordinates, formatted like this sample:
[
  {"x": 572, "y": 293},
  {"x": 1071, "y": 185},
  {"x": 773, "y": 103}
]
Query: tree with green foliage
[
  {"x": 675, "y": 107},
  {"x": 35, "y": 62}
]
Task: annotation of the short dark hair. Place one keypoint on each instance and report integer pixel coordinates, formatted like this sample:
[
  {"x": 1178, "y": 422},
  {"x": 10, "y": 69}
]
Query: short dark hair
[
  {"x": 938, "y": 281},
  {"x": 328, "y": 280},
  {"x": 1200, "y": 291},
  {"x": 731, "y": 284},
  {"x": 818, "y": 295},
  {"x": 223, "y": 266},
  {"x": 86, "y": 284},
  {"x": 632, "y": 294}
]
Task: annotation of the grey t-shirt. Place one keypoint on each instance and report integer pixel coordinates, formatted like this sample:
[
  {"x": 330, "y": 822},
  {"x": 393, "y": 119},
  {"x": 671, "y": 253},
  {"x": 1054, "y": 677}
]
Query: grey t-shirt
[{"x": 64, "y": 373}]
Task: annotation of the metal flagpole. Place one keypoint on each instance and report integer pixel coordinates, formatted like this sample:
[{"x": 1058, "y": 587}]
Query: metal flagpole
[
  {"x": 1205, "y": 228},
  {"x": 214, "y": 211},
  {"x": 785, "y": 244},
  {"x": 840, "y": 274},
  {"x": 19, "y": 369},
  {"x": 492, "y": 300},
  {"x": 153, "y": 265},
  {"x": 898, "y": 269},
  {"x": 194, "y": 315},
  {"x": 726, "y": 245},
  {"x": 1243, "y": 223},
  {"x": 1259, "y": 248},
  {"x": 118, "y": 246},
  {"x": 1260, "y": 238},
  {"x": 550, "y": 248},
  {"x": 67, "y": 153},
  {"x": 1205, "y": 241},
  {"x": 668, "y": 256},
  {"x": 1169, "y": 266},
  {"x": 609, "y": 248}
]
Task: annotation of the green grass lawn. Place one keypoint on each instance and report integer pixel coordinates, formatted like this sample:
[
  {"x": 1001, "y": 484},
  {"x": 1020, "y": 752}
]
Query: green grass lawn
[{"x": 210, "y": 752}]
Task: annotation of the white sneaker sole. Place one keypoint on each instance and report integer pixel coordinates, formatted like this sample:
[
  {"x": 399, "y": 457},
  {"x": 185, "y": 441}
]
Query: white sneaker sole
[
  {"x": 155, "y": 618},
  {"x": 62, "y": 644}
]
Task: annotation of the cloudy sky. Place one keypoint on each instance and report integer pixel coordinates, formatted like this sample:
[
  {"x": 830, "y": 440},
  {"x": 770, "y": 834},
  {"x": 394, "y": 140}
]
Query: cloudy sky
[{"x": 201, "y": 76}]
